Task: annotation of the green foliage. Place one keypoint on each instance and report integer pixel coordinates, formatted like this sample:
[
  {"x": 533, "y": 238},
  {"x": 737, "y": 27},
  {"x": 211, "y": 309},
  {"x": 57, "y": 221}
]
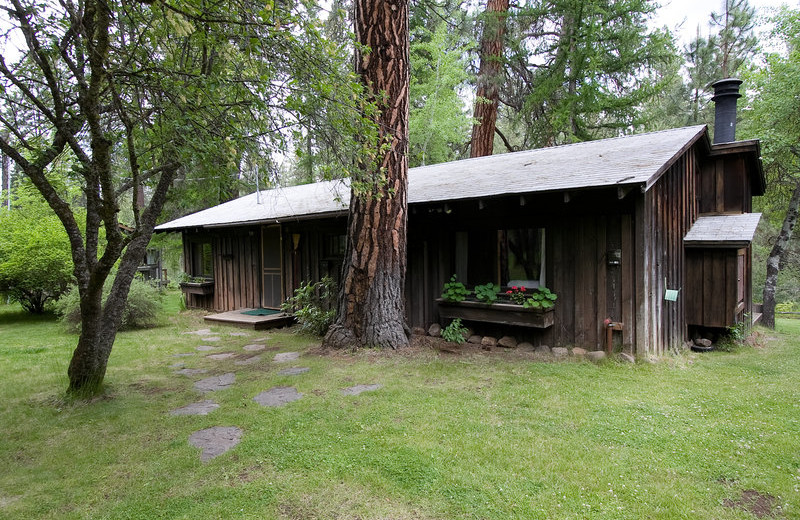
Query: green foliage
[
  {"x": 35, "y": 258},
  {"x": 438, "y": 122},
  {"x": 487, "y": 293},
  {"x": 541, "y": 298},
  {"x": 314, "y": 306},
  {"x": 455, "y": 332},
  {"x": 142, "y": 308},
  {"x": 567, "y": 81},
  {"x": 454, "y": 291}
]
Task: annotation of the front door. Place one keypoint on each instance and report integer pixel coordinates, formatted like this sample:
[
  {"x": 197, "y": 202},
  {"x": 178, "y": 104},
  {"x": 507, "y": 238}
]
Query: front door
[{"x": 271, "y": 256}]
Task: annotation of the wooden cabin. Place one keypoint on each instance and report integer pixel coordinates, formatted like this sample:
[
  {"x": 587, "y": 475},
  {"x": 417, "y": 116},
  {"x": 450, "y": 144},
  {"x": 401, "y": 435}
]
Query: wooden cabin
[{"x": 650, "y": 231}]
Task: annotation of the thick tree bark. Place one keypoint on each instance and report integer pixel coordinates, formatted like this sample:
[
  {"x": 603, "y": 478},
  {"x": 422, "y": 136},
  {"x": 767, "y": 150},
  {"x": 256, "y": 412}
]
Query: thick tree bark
[
  {"x": 371, "y": 300},
  {"x": 489, "y": 75},
  {"x": 775, "y": 259}
]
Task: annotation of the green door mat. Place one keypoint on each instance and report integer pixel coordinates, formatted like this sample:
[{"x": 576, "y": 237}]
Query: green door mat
[{"x": 261, "y": 312}]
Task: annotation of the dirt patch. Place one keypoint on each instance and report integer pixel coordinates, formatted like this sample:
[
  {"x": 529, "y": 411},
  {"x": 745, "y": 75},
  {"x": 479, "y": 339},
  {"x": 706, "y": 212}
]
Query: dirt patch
[
  {"x": 284, "y": 357},
  {"x": 758, "y": 504}
]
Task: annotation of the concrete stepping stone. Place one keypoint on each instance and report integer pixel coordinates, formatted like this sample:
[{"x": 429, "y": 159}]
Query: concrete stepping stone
[
  {"x": 212, "y": 338},
  {"x": 183, "y": 354},
  {"x": 238, "y": 334},
  {"x": 191, "y": 371},
  {"x": 294, "y": 371},
  {"x": 214, "y": 383},
  {"x": 205, "y": 348},
  {"x": 215, "y": 441},
  {"x": 201, "y": 332},
  {"x": 253, "y": 348},
  {"x": 220, "y": 356},
  {"x": 200, "y": 408},
  {"x": 177, "y": 365},
  {"x": 283, "y": 357},
  {"x": 358, "y": 389},
  {"x": 278, "y": 396},
  {"x": 247, "y": 361}
]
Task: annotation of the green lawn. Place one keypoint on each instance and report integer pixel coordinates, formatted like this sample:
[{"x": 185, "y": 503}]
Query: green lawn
[{"x": 471, "y": 436}]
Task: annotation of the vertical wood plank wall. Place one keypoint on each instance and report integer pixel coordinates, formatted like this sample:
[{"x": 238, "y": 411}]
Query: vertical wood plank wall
[
  {"x": 669, "y": 210},
  {"x": 237, "y": 265},
  {"x": 589, "y": 288}
]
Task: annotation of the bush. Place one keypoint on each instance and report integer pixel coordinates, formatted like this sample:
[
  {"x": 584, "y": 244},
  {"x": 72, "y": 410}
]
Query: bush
[
  {"x": 314, "y": 306},
  {"x": 35, "y": 256},
  {"x": 142, "y": 307}
]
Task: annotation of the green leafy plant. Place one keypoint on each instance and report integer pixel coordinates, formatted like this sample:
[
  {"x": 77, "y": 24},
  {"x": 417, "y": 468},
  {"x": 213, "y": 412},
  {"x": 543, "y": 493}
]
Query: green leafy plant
[
  {"x": 455, "y": 332},
  {"x": 487, "y": 293},
  {"x": 541, "y": 298},
  {"x": 454, "y": 291},
  {"x": 142, "y": 308},
  {"x": 314, "y": 306}
]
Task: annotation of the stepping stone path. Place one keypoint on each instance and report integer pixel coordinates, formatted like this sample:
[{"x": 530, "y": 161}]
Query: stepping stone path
[
  {"x": 296, "y": 371},
  {"x": 215, "y": 441},
  {"x": 358, "y": 389},
  {"x": 201, "y": 408},
  {"x": 283, "y": 357},
  {"x": 211, "y": 384},
  {"x": 191, "y": 371},
  {"x": 201, "y": 332},
  {"x": 205, "y": 348},
  {"x": 211, "y": 338},
  {"x": 278, "y": 396},
  {"x": 220, "y": 357},
  {"x": 247, "y": 361},
  {"x": 253, "y": 348}
]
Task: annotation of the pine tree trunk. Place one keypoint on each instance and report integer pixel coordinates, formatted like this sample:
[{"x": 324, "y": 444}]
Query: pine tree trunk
[
  {"x": 775, "y": 259},
  {"x": 489, "y": 76},
  {"x": 371, "y": 298}
]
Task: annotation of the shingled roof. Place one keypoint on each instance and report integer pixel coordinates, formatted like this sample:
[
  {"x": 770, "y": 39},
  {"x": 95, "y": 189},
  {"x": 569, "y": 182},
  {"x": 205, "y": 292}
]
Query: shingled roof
[
  {"x": 631, "y": 160},
  {"x": 723, "y": 230}
]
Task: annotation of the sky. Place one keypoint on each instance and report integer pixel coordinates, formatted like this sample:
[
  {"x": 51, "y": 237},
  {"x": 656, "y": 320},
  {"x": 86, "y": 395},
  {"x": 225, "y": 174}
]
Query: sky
[{"x": 689, "y": 13}]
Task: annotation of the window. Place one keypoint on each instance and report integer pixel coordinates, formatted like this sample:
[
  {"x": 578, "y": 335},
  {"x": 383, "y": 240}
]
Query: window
[
  {"x": 502, "y": 256},
  {"x": 521, "y": 257},
  {"x": 202, "y": 261}
]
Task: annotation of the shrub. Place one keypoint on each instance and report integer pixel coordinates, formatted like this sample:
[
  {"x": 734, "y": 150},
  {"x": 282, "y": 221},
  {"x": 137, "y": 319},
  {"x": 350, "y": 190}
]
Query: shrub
[
  {"x": 142, "y": 307},
  {"x": 35, "y": 256},
  {"x": 455, "y": 332},
  {"x": 314, "y": 306}
]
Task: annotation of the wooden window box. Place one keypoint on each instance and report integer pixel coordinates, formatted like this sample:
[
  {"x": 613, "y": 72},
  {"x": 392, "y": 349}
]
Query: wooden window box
[
  {"x": 501, "y": 313},
  {"x": 202, "y": 288}
]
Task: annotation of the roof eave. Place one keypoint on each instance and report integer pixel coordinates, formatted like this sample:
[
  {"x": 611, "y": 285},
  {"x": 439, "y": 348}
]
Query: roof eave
[{"x": 703, "y": 131}]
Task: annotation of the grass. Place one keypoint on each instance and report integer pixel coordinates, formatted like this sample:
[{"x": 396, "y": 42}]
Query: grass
[{"x": 471, "y": 436}]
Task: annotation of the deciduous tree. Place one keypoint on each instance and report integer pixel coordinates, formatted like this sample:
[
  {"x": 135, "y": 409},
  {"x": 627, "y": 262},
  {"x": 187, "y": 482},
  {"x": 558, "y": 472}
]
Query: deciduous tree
[{"x": 136, "y": 93}]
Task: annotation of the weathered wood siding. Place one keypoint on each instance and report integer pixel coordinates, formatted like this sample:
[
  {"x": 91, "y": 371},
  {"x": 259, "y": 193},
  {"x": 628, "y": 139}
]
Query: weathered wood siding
[
  {"x": 666, "y": 212},
  {"x": 236, "y": 260},
  {"x": 589, "y": 287},
  {"x": 724, "y": 185},
  {"x": 718, "y": 286},
  {"x": 237, "y": 265}
]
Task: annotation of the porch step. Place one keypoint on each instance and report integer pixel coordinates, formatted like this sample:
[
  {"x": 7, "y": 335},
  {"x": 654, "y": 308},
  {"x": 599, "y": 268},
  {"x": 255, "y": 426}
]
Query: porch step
[{"x": 238, "y": 319}]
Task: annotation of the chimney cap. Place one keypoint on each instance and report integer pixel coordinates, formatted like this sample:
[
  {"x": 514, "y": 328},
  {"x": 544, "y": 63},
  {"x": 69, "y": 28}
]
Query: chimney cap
[{"x": 726, "y": 87}]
